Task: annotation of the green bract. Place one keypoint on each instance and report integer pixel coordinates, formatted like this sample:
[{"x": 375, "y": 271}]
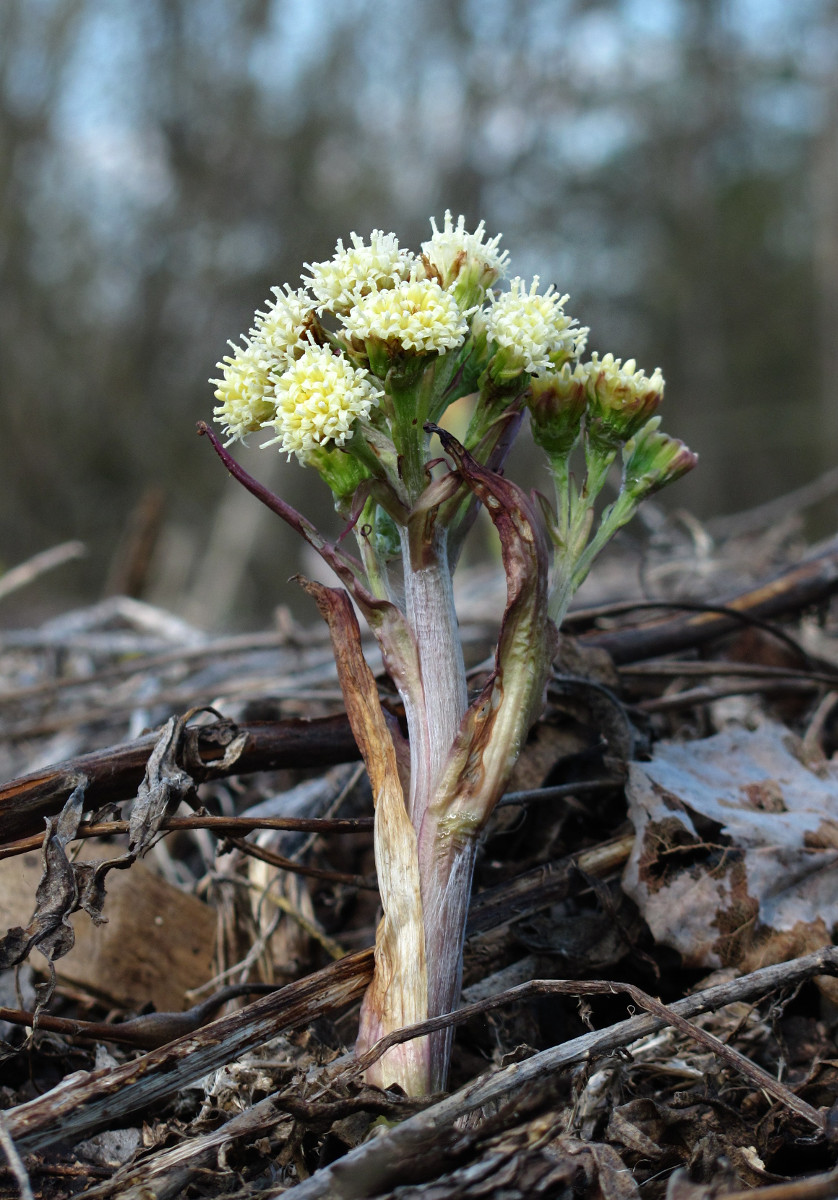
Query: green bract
[{"x": 353, "y": 373}]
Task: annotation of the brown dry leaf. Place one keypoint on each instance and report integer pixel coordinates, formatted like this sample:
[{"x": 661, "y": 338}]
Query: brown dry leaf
[
  {"x": 526, "y": 1162},
  {"x": 66, "y": 887},
  {"x": 706, "y": 1136},
  {"x": 57, "y": 893},
  {"x": 165, "y": 784},
  {"x": 736, "y": 857},
  {"x": 398, "y": 994},
  {"x": 600, "y": 1172}
]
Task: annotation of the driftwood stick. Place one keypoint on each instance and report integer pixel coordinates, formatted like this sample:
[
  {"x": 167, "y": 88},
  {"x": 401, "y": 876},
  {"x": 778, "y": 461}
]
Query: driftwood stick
[
  {"x": 423, "y": 1145},
  {"x": 116, "y": 773}
]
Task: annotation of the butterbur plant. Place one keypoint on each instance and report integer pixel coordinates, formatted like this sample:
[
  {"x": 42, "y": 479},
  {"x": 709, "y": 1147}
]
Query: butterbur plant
[{"x": 352, "y": 373}]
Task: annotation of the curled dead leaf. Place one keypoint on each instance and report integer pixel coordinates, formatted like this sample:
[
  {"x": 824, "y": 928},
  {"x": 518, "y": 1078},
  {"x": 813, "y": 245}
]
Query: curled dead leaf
[{"x": 735, "y": 862}]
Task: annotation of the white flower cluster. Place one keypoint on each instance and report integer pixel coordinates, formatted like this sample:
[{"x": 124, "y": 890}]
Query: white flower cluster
[
  {"x": 246, "y": 390},
  {"x": 243, "y": 393},
  {"x": 279, "y": 331},
  {"x": 534, "y": 328},
  {"x": 309, "y": 384},
  {"x": 417, "y": 315},
  {"x": 358, "y": 271},
  {"x": 317, "y": 400}
]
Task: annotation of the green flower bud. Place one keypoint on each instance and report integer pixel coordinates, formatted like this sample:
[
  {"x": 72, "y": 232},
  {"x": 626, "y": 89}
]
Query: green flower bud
[
  {"x": 557, "y": 403},
  {"x": 620, "y": 399},
  {"x": 652, "y": 459}
]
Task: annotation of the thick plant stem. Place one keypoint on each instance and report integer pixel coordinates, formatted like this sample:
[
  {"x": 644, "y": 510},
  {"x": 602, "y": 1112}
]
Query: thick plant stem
[
  {"x": 446, "y": 890},
  {"x": 461, "y": 758},
  {"x": 446, "y": 863},
  {"x": 397, "y": 995},
  {"x": 433, "y": 720},
  {"x": 446, "y": 853}
]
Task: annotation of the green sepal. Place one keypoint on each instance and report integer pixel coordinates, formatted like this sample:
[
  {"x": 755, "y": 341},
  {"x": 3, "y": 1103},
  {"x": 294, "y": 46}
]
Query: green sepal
[{"x": 340, "y": 470}]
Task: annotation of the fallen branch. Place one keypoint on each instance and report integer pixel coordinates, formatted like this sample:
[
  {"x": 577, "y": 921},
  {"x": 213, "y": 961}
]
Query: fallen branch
[
  {"x": 220, "y": 826},
  {"x": 601, "y": 987},
  {"x": 75, "y": 1108},
  {"x": 116, "y": 772},
  {"x": 814, "y": 1187},
  {"x": 78, "y": 1105},
  {"x": 252, "y": 850},
  {"x": 808, "y": 583},
  {"x": 25, "y": 573}
]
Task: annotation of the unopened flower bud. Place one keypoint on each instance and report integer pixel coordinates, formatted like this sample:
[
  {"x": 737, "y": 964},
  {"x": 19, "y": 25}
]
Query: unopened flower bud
[
  {"x": 652, "y": 459},
  {"x": 621, "y": 399},
  {"x": 557, "y": 403},
  {"x": 340, "y": 471}
]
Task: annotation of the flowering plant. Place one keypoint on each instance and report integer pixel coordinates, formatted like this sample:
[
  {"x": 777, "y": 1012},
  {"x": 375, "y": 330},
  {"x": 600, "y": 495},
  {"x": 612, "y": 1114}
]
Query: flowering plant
[{"x": 352, "y": 374}]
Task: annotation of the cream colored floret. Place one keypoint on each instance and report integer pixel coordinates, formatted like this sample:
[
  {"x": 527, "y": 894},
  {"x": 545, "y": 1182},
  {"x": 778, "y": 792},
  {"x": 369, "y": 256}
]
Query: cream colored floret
[
  {"x": 611, "y": 376},
  {"x": 244, "y": 393},
  {"x": 534, "y": 327},
  {"x": 416, "y": 315},
  {"x": 357, "y": 270},
  {"x": 280, "y": 331},
  {"x": 455, "y": 252},
  {"x": 318, "y": 400}
]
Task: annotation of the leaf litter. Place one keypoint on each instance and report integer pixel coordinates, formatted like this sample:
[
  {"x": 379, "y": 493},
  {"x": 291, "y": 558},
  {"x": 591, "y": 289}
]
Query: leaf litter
[
  {"x": 735, "y": 862},
  {"x": 732, "y": 829}
]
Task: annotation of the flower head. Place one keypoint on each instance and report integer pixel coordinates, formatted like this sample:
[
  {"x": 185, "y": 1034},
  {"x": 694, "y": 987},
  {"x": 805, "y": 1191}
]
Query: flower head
[
  {"x": 621, "y": 399},
  {"x": 416, "y": 315},
  {"x": 533, "y": 331},
  {"x": 358, "y": 270},
  {"x": 317, "y": 401},
  {"x": 244, "y": 392},
  {"x": 280, "y": 332},
  {"x": 463, "y": 261}
]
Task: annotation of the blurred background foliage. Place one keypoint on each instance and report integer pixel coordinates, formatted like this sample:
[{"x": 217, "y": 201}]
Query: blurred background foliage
[{"x": 673, "y": 164}]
